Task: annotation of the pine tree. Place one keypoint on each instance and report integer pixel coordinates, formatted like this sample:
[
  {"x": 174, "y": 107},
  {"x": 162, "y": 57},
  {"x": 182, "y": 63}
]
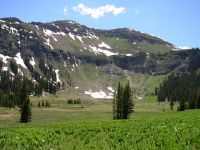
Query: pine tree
[
  {"x": 119, "y": 101},
  {"x": 25, "y": 106},
  {"x": 127, "y": 102},
  {"x": 123, "y": 102},
  {"x": 39, "y": 104},
  {"x": 43, "y": 104}
]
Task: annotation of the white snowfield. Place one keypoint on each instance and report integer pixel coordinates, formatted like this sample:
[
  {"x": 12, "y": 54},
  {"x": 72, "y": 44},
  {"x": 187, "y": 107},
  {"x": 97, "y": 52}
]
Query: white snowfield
[
  {"x": 71, "y": 35},
  {"x": 139, "y": 98},
  {"x": 98, "y": 51},
  {"x": 11, "y": 30},
  {"x": 5, "y": 68},
  {"x": 99, "y": 95},
  {"x": 65, "y": 65},
  {"x": 72, "y": 22},
  {"x": 2, "y": 21},
  {"x": 111, "y": 89},
  {"x": 49, "y": 33},
  {"x": 129, "y": 55},
  {"x": 181, "y": 48},
  {"x": 19, "y": 60},
  {"x": 47, "y": 42},
  {"x": 4, "y": 58},
  {"x": 32, "y": 62},
  {"x": 60, "y": 33},
  {"x": 55, "y": 26},
  {"x": 57, "y": 76},
  {"x": 104, "y": 45},
  {"x": 19, "y": 42},
  {"x": 79, "y": 38},
  {"x": 37, "y": 27}
]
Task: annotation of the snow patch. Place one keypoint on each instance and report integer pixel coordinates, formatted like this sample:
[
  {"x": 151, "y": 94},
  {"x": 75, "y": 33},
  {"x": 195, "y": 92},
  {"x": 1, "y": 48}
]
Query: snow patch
[
  {"x": 71, "y": 22},
  {"x": 184, "y": 47},
  {"x": 76, "y": 64},
  {"x": 37, "y": 27},
  {"x": 71, "y": 35},
  {"x": 75, "y": 30},
  {"x": 11, "y": 30},
  {"x": 104, "y": 45},
  {"x": 67, "y": 28},
  {"x": 111, "y": 89},
  {"x": 129, "y": 55},
  {"x": 49, "y": 33},
  {"x": 76, "y": 87},
  {"x": 57, "y": 76},
  {"x": 60, "y": 33},
  {"x": 32, "y": 62},
  {"x": 19, "y": 60},
  {"x": 98, "y": 50},
  {"x": 5, "y": 68},
  {"x": 55, "y": 26},
  {"x": 79, "y": 38},
  {"x": 2, "y": 21},
  {"x": 65, "y": 65},
  {"x": 4, "y": 58},
  {"x": 48, "y": 43},
  {"x": 98, "y": 95},
  {"x": 139, "y": 98},
  {"x": 20, "y": 72}
]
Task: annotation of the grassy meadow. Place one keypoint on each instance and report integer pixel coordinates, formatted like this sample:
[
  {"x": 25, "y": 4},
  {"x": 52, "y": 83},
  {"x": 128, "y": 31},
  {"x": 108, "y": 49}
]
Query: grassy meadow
[{"x": 89, "y": 125}]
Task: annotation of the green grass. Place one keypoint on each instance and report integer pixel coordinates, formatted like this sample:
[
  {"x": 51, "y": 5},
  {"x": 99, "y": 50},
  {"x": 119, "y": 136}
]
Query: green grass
[
  {"x": 152, "y": 82},
  {"x": 88, "y": 110},
  {"x": 170, "y": 130},
  {"x": 153, "y": 48},
  {"x": 121, "y": 45},
  {"x": 152, "y": 99}
]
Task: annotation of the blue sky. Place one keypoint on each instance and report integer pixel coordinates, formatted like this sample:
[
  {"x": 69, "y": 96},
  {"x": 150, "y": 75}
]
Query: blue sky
[{"x": 176, "y": 21}]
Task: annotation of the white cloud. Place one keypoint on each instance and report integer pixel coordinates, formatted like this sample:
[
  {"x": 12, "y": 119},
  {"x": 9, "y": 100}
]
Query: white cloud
[
  {"x": 137, "y": 11},
  {"x": 65, "y": 11},
  {"x": 98, "y": 12}
]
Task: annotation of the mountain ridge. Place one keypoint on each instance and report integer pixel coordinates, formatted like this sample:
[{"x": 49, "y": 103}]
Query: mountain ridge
[{"x": 75, "y": 55}]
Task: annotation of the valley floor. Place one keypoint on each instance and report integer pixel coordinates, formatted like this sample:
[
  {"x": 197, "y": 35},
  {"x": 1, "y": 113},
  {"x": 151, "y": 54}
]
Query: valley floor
[{"x": 90, "y": 126}]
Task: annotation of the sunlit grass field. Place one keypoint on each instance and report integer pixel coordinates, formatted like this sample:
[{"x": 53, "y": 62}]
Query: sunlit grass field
[{"x": 90, "y": 126}]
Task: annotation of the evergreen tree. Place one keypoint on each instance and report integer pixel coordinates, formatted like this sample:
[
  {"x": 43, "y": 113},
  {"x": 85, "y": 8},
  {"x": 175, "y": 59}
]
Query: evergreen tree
[
  {"x": 127, "y": 102},
  {"x": 183, "y": 88},
  {"x": 123, "y": 102},
  {"x": 119, "y": 101},
  {"x": 39, "y": 104},
  {"x": 25, "y": 106},
  {"x": 43, "y": 104}
]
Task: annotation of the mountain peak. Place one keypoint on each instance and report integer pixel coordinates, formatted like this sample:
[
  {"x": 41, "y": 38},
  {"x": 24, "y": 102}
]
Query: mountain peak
[{"x": 11, "y": 19}]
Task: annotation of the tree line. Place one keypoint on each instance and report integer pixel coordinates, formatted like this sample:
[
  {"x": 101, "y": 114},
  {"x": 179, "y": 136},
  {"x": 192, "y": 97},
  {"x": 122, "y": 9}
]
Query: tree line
[
  {"x": 122, "y": 102},
  {"x": 183, "y": 88},
  {"x": 10, "y": 87}
]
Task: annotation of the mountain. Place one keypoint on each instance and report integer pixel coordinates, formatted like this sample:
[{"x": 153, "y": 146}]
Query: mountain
[{"x": 89, "y": 62}]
